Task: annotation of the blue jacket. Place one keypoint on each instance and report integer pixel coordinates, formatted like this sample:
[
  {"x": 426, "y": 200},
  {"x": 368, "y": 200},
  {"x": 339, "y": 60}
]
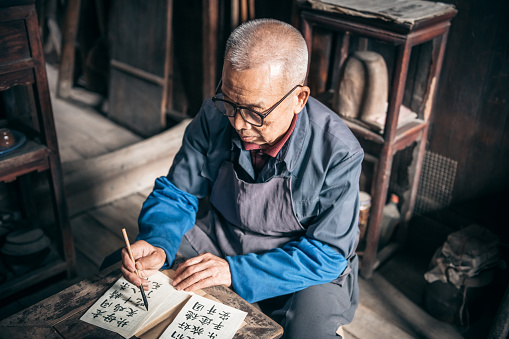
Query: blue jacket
[{"x": 325, "y": 160}]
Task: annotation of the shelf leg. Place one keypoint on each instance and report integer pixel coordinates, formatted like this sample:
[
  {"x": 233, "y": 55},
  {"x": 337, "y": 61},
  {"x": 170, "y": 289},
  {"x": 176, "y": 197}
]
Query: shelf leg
[
  {"x": 56, "y": 186},
  {"x": 383, "y": 173}
]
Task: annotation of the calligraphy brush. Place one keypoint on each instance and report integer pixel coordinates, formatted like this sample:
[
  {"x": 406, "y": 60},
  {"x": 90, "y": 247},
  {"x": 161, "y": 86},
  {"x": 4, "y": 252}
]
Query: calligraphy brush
[{"x": 134, "y": 262}]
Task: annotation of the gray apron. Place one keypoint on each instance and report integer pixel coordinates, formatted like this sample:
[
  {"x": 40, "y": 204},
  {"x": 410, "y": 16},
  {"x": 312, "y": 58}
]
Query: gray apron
[{"x": 248, "y": 218}]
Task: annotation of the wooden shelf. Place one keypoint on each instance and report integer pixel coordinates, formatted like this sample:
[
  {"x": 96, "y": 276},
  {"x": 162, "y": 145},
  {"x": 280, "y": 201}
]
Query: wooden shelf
[
  {"x": 30, "y": 157},
  {"x": 22, "y": 63},
  {"x": 342, "y": 31},
  {"x": 386, "y": 27}
]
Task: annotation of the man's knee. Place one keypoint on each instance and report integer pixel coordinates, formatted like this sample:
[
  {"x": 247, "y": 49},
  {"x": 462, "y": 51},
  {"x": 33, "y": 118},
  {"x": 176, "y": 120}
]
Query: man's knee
[{"x": 318, "y": 311}]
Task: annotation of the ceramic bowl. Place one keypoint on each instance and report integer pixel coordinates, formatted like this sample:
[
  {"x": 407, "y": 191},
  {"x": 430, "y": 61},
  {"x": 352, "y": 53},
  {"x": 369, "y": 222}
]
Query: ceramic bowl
[
  {"x": 26, "y": 247},
  {"x": 7, "y": 139}
]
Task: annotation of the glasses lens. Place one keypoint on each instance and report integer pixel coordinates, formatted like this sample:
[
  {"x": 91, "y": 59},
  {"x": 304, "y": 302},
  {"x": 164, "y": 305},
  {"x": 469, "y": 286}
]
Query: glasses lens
[
  {"x": 251, "y": 117},
  {"x": 225, "y": 108}
]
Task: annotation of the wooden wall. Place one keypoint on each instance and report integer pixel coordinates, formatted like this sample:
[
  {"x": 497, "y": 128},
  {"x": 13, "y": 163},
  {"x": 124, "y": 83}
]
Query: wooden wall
[{"x": 471, "y": 121}]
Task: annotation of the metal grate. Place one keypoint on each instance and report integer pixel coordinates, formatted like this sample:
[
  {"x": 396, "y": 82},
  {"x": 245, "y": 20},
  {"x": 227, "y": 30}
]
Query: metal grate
[{"x": 436, "y": 183}]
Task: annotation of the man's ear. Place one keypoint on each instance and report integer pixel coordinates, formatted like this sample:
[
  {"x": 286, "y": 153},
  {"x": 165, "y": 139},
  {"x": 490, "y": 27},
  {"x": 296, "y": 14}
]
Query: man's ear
[{"x": 302, "y": 98}]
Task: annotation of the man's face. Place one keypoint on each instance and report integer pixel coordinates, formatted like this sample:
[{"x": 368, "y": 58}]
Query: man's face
[{"x": 259, "y": 89}]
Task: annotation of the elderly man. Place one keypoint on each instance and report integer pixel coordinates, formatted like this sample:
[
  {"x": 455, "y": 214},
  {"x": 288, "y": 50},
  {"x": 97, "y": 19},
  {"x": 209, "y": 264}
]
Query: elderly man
[{"x": 281, "y": 172}]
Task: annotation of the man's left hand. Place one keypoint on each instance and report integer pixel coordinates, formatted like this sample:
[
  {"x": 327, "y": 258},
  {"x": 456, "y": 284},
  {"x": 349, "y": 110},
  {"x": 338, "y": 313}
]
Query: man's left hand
[{"x": 202, "y": 271}]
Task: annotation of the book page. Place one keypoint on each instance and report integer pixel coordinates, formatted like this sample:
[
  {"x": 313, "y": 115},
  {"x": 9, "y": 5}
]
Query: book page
[
  {"x": 205, "y": 318},
  {"x": 121, "y": 308}
]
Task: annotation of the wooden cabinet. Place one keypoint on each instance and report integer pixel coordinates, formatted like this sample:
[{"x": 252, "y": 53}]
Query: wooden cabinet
[
  {"x": 141, "y": 64},
  {"x": 413, "y": 49},
  {"x": 26, "y": 107}
]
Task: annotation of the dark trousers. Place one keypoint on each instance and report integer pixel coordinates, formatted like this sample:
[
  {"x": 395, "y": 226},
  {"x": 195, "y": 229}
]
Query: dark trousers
[{"x": 316, "y": 311}]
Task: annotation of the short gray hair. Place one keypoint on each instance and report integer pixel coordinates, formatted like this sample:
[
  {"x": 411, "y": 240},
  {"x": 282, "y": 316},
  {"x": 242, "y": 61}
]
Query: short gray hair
[{"x": 262, "y": 41}]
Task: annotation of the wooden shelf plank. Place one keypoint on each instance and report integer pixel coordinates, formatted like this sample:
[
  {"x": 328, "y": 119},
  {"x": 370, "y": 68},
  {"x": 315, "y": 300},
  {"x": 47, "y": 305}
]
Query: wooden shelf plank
[
  {"x": 409, "y": 133},
  {"x": 405, "y": 134},
  {"x": 16, "y": 66},
  {"x": 28, "y": 158},
  {"x": 21, "y": 77},
  {"x": 363, "y": 132}
]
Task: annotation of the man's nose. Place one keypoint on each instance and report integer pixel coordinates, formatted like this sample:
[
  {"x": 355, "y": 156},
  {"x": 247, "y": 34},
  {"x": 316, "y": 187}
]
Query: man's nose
[{"x": 239, "y": 122}]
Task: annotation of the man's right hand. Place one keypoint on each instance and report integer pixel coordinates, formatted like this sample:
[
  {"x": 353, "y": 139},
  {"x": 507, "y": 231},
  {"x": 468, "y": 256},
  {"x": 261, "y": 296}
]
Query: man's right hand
[{"x": 149, "y": 259}]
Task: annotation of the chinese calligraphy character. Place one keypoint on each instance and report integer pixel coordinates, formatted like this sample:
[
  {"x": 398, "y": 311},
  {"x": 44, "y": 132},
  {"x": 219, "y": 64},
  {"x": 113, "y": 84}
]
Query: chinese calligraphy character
[
  {"x": 115, "y": 294},
  {"x": 212, "y": 310},
  {"x": 191, "y": 315},
  {"x": 197, "y": 330},
  {"x": 99, "y": 312},
  {"x": 105, "y": 303},
  {"x": 110, "y": 317},
  {"x": 184, "y": 326},
  {"x": 224, "y": 315},
  {"x": 123, "y": 286},
  {"x": 122, "y": 322},
  {"x": 156, "y": 285},
  {"x": 197, "y": 306},
  {"x": 119, "y": 308},
  {"x": 177, "y": 335},
  {"x": 131, "y": 312},
  {"x": 212, "y": 335},
  {"x": 139, "y": 302},
  {"x": 205, "y": 320},
  {"x": 217, "y": 327}
]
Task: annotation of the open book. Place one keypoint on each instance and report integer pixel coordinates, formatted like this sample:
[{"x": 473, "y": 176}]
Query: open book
[{"x": 121, "y": 310}]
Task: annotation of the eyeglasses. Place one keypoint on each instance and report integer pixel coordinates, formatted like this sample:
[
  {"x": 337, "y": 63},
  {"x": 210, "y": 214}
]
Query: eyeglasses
[{"x": 230, "y": 109}]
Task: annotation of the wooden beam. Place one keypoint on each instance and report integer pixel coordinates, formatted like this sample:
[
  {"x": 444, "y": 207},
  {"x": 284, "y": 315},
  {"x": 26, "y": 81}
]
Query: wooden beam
[
  {"x": 97, "y": 181},
  {"x": 121, "y": 66}
]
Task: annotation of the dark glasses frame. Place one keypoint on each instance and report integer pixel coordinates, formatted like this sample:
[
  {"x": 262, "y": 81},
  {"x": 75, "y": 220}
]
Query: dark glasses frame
[{"x": 240, "y": 108}]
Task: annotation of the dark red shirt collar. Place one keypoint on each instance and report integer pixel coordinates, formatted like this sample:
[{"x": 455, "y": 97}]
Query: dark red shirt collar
[{"x": 274, "y": 149}]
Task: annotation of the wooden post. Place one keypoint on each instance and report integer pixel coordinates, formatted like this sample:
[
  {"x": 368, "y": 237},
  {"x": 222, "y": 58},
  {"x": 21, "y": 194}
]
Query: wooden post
[
  {"x": 66, "y": 72},
  {"x": 167, "y": 99},
  {"x": 209, "y": 36}
]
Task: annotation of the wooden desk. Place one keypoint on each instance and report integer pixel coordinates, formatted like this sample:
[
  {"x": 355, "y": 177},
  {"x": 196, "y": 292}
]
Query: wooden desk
[{"x": 58, "y": 316}]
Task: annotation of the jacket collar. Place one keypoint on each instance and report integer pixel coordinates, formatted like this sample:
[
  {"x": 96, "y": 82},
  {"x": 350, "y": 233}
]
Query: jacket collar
[
  {"x": 294, "y": 146},
  {"x": 290, "y": 152}
]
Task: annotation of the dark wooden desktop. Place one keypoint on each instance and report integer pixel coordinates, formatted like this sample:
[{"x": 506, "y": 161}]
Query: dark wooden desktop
[{"x": 58, "y": 316}]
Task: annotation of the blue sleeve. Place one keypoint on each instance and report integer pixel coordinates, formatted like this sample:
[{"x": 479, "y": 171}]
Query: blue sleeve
[
  {"x": 166, "y": 215},
  {"x": 280, "y": 271}
]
